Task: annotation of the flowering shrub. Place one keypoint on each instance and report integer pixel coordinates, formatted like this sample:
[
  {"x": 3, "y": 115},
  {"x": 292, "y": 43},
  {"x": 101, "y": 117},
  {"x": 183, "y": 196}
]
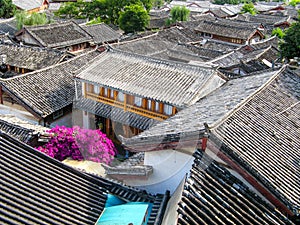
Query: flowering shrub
[{"x": 79, "y": 144}]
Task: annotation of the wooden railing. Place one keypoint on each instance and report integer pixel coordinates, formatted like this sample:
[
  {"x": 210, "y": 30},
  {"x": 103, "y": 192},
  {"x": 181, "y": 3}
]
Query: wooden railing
[{"x": 127, "y": 107}]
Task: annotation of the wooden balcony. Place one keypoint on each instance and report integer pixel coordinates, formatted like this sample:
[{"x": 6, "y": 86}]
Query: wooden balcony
[{"x": 127, "y": 107}]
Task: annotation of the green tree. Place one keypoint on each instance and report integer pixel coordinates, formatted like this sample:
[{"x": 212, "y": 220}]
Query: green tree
[
  {"x": 290, "y": 47},
  {"x": 24, "y": 18},
  {"x": 94, "y": 21},
  {"x": 148, "y": 4},
  {"x": 7, "y": 9},
  {"x": 134, "y": 18},
  {"x": 116, "y": 7},
  {"x": 178, "y": 13},
  {"x": 96, "y": 9},
  {"x": 72, "y": 10},
  {"x": 109, "y": 11},
  {"x": 278, "y": 32},
  {"x": 294, "y": 2},
  {"x": 249, "y": 7}
]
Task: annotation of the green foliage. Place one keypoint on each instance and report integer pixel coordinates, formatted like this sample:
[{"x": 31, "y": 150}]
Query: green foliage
[
  {"x": 94, "y": 21},
  {"x": 7, "y": 9},
  {"x": 294, "y": 2},
  {"x": 249, "y": 7},
  {"x": 278, "y": 32},
  {"x": 133, "y": 18},
  {"x": 178, "y": 13},
  {"x": 24, "y": 18},
  {"x": 72, "y": 10},
  {"x": 109, "y": 11},
  {"x": 96, "y": 9},
  {"x": 290, "y": 47}
]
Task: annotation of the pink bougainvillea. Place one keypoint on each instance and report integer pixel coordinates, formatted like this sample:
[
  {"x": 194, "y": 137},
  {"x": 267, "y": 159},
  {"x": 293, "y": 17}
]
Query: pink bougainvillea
[{"x": 79, "y": 144}]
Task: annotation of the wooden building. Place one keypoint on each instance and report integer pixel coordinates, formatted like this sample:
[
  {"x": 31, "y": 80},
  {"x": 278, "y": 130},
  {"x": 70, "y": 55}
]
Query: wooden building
[
  {"x": 62, "y": 36},
  {"x": 47, "y": 93},
  {"x": 23, "y": 59},
  {"x": 31, "y": 6},
  {"x": 169, "y": 145},
  {"x": 230, "y": 31},
  {"x": 130, "y": 93}
]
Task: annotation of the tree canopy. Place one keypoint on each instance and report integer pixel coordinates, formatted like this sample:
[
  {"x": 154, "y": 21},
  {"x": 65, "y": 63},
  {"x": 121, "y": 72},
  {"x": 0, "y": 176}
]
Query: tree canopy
[
  {"x": 72, "y": 10},
  {"x": 290, "y": 47},
  {"x": 7, "y": 9},
  {"x": 278, "y": 32},
  {"x": 249, "y": 7},
  {"x": 179, "y": 13},
  {"x": 24, "y": 18},
  {"x": 294, "y": 2},
  {"x": 133, "y": 18},
  {"x": 108, "y": 11}
]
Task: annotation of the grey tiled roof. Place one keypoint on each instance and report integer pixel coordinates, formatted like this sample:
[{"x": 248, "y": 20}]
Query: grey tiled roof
[
  {"x": 262, "y": 135},
  {"x": 241, "y": 55},
  {"x": 37, "y": 189},
  {"x": 219, "y": 13},
  {"x": 165, "y": 81},
  {"x": 21, "y": 133},
  {"x": 208, "y": 110},
  {"x": 58, "y": 35},
  {"x": 272, "y": 41},
  {"x": 263, "y": 18},
  {"x": 212, "y": 195},
  {"x": 29, "y": 57},
  {"x": 245, "y": 68},
  {"x": 228, "y": 28},
  {"x": 102, "y": 33},
  {"x": 150, "y": 45},
  {"x": 157, "y": 22},
  {"x": 114, "y": 113},
  {"x": 179, "y": 34},
  {"x": 157, "y": 47},
  {"x": 28, "y": 4},
  {"x": 48, "y": 90},
  {"x": 8, "y": 26},
  {"x": 217, "y": 45}
]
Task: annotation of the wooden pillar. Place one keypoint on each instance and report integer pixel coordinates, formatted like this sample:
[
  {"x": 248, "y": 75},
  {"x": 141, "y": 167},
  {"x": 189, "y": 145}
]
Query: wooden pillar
[
  {"x": 125, "y": 102},
  {"x": 107, "y": 127},
  {"x": 1, "y": 97}
]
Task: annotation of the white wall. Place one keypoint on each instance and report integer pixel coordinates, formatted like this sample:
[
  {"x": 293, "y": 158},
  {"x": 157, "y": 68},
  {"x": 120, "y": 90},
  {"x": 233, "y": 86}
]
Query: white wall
[{"x": 169, "y": 168}]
